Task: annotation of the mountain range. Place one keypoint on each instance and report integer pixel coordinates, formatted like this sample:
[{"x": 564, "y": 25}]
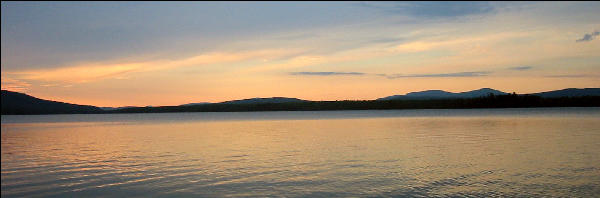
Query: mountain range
[
  {"x": 19, "y": 103},
  {"x": 569, "y": 93},
  {"x": 438, "y": 94},
  {"x": 264, "y": 100}
]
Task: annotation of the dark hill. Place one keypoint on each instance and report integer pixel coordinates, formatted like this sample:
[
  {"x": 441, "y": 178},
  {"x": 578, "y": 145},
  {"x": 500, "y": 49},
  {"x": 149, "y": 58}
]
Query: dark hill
[
  {"x": 274, "y": 100},
  {"x": 570, "y": 92},
  {"x": 18, "y": 103},
  {"x": 439, "y": 94}
]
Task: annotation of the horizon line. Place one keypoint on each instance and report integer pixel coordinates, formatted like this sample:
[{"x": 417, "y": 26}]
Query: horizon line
[{"x": 300, "y": 98}]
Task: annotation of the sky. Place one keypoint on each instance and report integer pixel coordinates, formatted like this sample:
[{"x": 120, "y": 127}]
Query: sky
[{"x": 172, "y": 53}]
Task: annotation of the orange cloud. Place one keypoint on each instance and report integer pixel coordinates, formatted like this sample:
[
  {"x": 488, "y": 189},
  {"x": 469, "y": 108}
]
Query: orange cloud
[
  {"x": 94, "y": 71},
  {"x": 14, "y": 84}
]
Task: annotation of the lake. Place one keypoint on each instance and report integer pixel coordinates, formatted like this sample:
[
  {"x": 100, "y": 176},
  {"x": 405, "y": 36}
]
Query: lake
[{"x": 532, "y": 152}]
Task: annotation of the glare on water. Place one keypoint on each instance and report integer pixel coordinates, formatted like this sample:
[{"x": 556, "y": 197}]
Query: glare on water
[{"x": 512, "y": 152}]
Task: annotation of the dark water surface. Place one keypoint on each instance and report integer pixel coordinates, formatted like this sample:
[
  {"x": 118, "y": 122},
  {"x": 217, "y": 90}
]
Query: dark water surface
[{"x": 549, "y": 152}]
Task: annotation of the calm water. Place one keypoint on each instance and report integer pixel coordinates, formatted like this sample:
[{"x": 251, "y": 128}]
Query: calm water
[{"x": 551, "y": 152}]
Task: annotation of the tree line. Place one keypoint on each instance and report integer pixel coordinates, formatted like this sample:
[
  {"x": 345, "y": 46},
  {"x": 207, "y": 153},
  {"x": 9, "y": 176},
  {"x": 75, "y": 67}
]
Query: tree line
[{"x": 490, "y": 101}]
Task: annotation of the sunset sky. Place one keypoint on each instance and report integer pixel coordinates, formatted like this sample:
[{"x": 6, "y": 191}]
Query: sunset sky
[{"x": 171, "y": 53}]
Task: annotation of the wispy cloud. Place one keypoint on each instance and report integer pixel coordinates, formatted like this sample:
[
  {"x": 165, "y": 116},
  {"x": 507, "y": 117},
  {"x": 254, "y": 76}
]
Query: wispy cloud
[
  {"x": 301, "y": 36},
  {"x": 387, "y": 40},
  {"x": 14, "y": 84},
  {"x": 439, "y": 75},
  {"x": 394, "y": 76},
  {"x": 96, "y": 71},
  {"x": 588, "y": 37},
  {"x": 570, "y": 76},
  {"x": 431, "y": 9},
  {"x": 327, "y": 73},
  {"x": 521, "y": 68}
]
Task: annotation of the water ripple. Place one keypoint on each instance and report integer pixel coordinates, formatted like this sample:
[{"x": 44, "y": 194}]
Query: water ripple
[{"x": 415, "y": 156}]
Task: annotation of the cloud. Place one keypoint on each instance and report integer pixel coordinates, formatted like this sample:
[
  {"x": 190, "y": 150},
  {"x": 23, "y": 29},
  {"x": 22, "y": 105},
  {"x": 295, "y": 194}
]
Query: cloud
[
  {"x": 87, "y": 72},
  {"x": 458, "y": 43},
  {"x": 570, "y": 76},
  {"x": 14, "y": 84},
  {"x": 521, "y": 68},
  {"x": 588, "y": 37},
  {"x": 394, "y": 76},
  {"x": 77, "y": 74},
  {"x": 302, "y": 36},
  {"x": 439, "y": 75},
  {"x": 431, "y": 9},
  {"x": 386, "y": 40},
  {"x": 327, "y": 73},
  {"x": 39, "y": 35}
]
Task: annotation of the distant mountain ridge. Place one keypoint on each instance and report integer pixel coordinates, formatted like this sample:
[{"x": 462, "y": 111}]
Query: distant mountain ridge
[
  {"x": 570, "y": 92},
  {"x": 115, "y": 108},
  {"x": 264, "y": 100},
  {"x": 19, "y": 103},
  {"x": 439, "y": 94},
  {"x": 196, "y": 103}
]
